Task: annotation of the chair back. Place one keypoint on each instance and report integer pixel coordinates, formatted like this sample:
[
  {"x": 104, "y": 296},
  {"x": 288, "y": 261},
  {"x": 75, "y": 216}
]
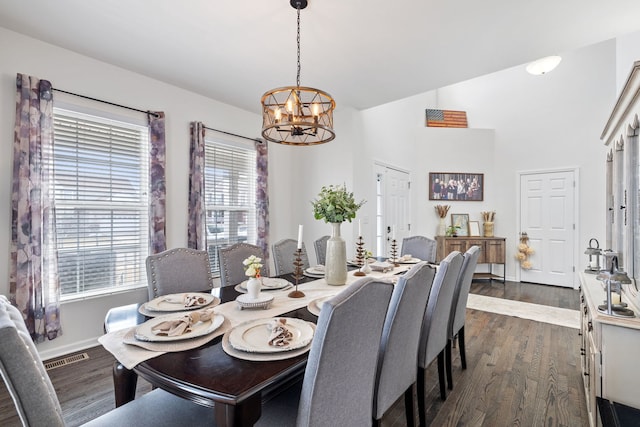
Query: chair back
[
  {"x": 283, "y": 254},
  {"x": 23, "y": 372},
  {"x": 461, "y": 293},
  {"x": 397, "y": 364},
  {"x": 420, "y": 247},
  {"x": 435, "y": 325},
  {"x": 231, "y": 267},
  {"x": 178, "y": 270},
  {"x": 321, "y": 249},
  {"x": 338, "y": 382}
]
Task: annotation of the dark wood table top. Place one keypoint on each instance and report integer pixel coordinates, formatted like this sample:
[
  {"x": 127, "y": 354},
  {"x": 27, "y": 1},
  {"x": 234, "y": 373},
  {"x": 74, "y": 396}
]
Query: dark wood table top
[{"x": 209, "y": 376}]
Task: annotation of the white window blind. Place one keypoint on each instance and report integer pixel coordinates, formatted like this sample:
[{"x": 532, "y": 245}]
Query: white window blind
[
  {"x": 230, "y": 188},
  {"x": 101, "y": 198}
]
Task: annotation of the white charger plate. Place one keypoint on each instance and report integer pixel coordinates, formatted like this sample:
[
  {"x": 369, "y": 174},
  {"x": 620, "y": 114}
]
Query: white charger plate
[
  {"x": 161, "y": 303},
  {"x": 408, "y": 261},
  {"x": 315, "y": 306},
  {"x": 263, "y": 357},
  {"x": 253, "y": 336},
  {"x": 144, "y": 331},
  {"x": 268, "y": 284}
]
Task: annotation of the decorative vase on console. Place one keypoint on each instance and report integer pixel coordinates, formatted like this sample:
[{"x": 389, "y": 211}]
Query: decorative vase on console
[{"x": 335, "y": 205}]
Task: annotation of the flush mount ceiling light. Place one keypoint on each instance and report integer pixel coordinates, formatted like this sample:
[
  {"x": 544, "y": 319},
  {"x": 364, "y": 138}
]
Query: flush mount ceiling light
[
  {"x": 543, "y": 65},
  {"x": 297, "y": 115}
]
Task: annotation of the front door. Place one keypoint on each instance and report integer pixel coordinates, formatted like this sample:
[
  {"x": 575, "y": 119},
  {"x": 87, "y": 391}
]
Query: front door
[
  {"x": 393, "y": 196},
  {"x": 547, "y": 215}
]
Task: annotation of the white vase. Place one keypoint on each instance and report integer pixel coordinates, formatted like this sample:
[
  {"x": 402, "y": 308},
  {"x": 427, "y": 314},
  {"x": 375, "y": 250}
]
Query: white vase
[
  {"x": 253, "y": 287},
  {"x": 366, "y": 269},
  {"x": 335, "y": 269}
]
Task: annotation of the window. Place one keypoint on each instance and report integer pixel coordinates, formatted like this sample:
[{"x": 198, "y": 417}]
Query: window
[
  {"x": 100, "y": 184},
  {"x": 229, "y": 187}
]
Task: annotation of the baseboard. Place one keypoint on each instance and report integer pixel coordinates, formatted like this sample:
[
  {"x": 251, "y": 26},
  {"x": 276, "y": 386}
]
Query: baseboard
[{"x": 68, "y": 349}]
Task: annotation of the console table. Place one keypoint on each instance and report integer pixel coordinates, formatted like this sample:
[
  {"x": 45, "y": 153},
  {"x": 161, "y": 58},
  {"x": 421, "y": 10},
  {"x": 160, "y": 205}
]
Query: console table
[{"x": 492, "y": 251}]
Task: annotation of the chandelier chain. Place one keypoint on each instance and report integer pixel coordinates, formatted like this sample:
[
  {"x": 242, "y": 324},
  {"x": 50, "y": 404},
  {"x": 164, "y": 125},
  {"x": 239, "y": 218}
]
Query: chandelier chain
[{"x": 298, "y": 42}]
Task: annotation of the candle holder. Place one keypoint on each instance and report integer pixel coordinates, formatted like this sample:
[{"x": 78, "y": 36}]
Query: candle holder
[
  {"x": 360, "y": 257},
  {"x": 297, "y": 274},
  {"x": 394, "y": 253}
]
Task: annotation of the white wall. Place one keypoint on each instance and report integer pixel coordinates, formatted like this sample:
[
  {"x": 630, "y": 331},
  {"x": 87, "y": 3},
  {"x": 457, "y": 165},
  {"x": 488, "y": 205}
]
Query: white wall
[
  {"x": 82, "y": 320},
  {"x": 627, "y": 52},
  {"x": 539, "y": 122}
]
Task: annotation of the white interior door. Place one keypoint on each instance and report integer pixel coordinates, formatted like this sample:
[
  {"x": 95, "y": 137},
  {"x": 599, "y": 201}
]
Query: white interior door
[
  {"x": 393, "y": 218},
  {"x": 547, "y": 215}
]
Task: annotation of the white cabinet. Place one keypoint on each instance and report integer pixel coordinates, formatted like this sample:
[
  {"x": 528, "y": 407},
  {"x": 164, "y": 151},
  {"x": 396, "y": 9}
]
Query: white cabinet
[{"x": 610, "y": 350}]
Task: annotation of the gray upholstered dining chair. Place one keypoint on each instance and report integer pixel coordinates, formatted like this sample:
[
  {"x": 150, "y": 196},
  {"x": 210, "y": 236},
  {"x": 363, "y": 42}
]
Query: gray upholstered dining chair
[
  {"x": 231, "y": 267},
  {"x": 36, "y": 401},
  {"x": 337, "y": 389},
  {"x": 459, "y": 309},
  {"x": 178, "y": 270},
  {"x": 321, "y": 249},
  {"x": 283, "y": 254},
  {"x": 435, "y": 326},
  {"x": 397, "y": 361},
  {"x": 419, "y": 247}
]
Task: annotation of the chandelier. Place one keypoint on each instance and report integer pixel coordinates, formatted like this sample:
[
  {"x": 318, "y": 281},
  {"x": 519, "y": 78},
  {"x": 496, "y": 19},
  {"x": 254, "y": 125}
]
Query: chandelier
[{"x": 297, "y": 115}]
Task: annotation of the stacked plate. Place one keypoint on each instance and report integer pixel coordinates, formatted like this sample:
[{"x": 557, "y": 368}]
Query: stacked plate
[
  {"x": 315, "y": 272},
  {"x": 250, "y": 340},
  {"x": 268, "y": 284},
  {"x": 145, "y": 332},
  {"x": 173, "y": 303}
]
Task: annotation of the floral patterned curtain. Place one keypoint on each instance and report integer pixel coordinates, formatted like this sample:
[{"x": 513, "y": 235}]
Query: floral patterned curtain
[
  {"x": 262, "y": 197},
  {"x": 196, "y": 233},
  {"x": 157, "y": 187},
  {"x": 34, "y": 285}
]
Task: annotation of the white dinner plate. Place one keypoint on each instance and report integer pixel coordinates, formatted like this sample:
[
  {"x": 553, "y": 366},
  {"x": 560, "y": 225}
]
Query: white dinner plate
[
  {"x": 253, "y": 336},
  {"x": 314, "y": 272},
  {"x": 144, "y": 331},
  {"x": 354, "y": 262},
  {"x": 400, "y": 260},
  {"x": 164, "y": 302},
  {"x": 315, "y": 306},
  {"x": 263, "y": 357},
  {"x": 268, "y": 284}
]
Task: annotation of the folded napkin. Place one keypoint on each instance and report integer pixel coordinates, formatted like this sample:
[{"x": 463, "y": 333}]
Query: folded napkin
[
  {"x": 381, "y": 266},
  {"x": 182, "y": 325},
  {"x": 280, "y": 335},
  {"x": 186, "y": 299}
]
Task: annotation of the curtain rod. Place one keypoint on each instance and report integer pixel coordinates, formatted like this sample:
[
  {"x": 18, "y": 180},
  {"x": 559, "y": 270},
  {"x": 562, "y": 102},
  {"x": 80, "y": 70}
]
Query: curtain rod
[
  {"x": 229, "y": 133},
  {"x": 107, "y": 102}
]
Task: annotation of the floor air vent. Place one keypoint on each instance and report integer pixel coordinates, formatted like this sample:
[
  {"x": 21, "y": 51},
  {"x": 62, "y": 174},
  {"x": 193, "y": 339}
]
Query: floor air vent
[{"x": 65, "y": 361}]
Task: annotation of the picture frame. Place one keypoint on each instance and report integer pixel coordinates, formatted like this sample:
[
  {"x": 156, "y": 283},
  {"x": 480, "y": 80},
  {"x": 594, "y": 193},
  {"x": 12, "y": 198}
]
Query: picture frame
[
  {"x": 474, "y": 229},
  {"x": 456, "y": 186},
  {"x": 462, "y": 221}
]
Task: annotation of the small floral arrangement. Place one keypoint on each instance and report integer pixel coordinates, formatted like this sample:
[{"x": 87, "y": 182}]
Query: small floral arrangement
[
  {"x": 335, "y": 204},
  {"x": 452, "y": 230},
  {"x": 524, "y": 252},
  {"x": 252, "y": 266},
  {"x": 367, "y": 253},
  {"x": 442, "y": 210}
]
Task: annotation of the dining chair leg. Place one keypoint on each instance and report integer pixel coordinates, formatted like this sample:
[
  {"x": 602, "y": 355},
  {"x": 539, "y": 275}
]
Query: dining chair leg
[
  {"x": 443, "y": 392},
  {"x": 422, "y": 395},
  {"x": 463, "y": 356},
  {"x": 448, "y": 365},
  {"x": 409, "y": 405}
]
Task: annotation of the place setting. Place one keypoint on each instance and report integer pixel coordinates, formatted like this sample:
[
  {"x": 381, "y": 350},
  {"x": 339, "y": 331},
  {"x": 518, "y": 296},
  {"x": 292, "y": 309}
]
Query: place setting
[
  {"x": 269, "y": 339},
  {"x": 178, "y": 302},
  {"x": 316, "y": 272},
  {"x": 315, "y": 306}
]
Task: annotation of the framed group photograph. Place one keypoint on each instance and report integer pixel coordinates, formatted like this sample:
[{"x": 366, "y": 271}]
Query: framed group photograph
[
  {"x": 456, "y": 186},
  {"x": 462, "y": 222}
]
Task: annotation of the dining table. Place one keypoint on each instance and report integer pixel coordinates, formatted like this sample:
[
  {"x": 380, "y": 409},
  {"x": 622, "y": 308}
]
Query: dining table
[{"x": 208, "y": 375}]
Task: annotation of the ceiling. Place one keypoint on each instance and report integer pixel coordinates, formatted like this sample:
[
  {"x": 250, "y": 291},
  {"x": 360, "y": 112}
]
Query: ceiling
[{"x": 363, "y": 52}]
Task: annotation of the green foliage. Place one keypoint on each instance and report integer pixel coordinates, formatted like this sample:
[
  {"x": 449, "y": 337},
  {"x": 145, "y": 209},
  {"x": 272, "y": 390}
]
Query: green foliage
[
  {"x": 452, "y": 230},
  {"x": 335, "y": 204}
]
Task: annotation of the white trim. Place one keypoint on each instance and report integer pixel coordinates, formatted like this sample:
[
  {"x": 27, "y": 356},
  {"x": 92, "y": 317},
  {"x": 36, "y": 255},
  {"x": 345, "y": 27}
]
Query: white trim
[{"x": 576, "y": 203}]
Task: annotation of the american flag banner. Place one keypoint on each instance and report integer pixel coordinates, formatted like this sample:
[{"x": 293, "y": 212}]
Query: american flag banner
[{"x": 446, "y": 118}]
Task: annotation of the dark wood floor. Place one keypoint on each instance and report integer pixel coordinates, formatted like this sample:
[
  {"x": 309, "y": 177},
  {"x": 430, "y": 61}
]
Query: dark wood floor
[{"x": 520, "y": 372}]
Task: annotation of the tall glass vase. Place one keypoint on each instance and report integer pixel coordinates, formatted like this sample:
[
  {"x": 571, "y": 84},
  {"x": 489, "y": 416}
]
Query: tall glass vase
[{"x": 335, "y": 269}]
